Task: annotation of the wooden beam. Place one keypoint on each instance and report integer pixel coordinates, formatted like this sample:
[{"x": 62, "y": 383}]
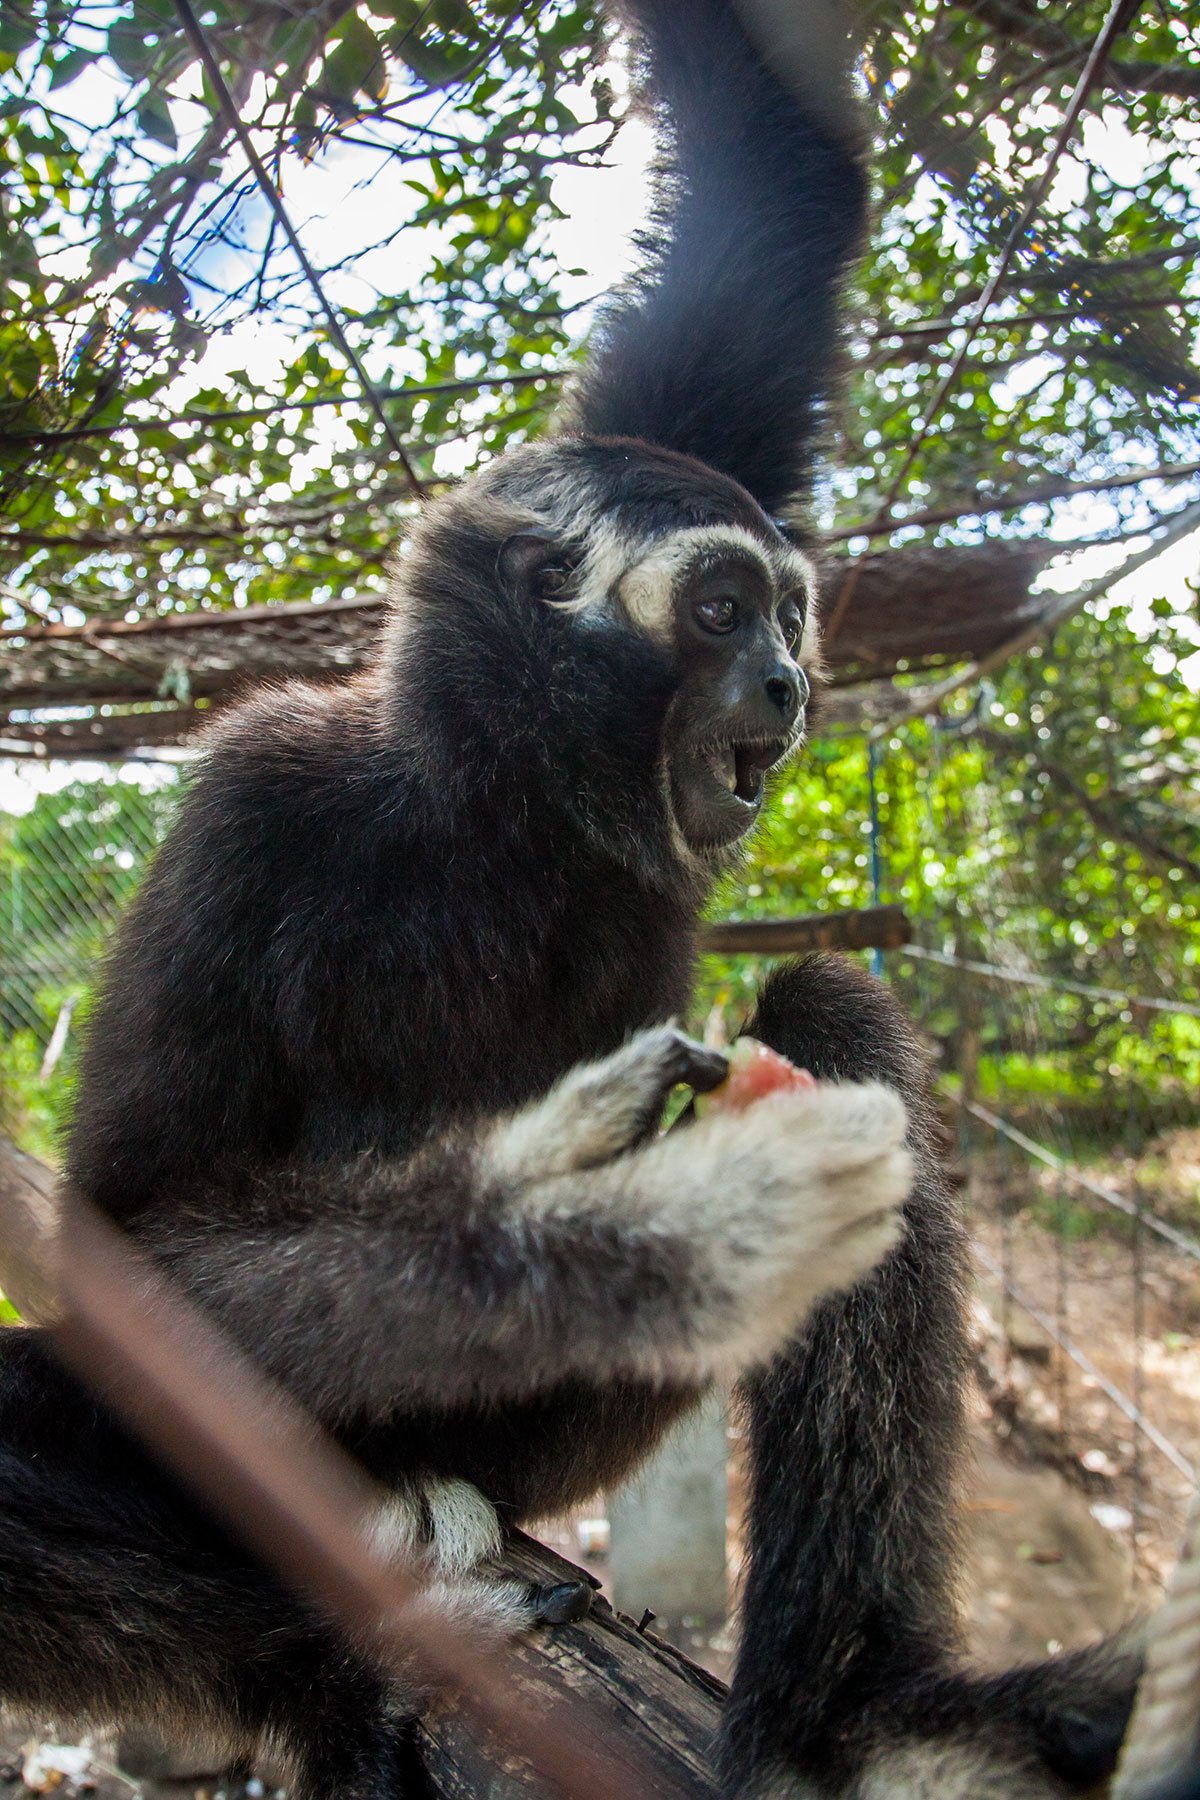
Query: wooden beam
[
  {"x": 661, "y": 1704},
  {"x": 910, "y": 607},
  {"x": 103, "y": 737},
  {"x": 859, "y": 928}
]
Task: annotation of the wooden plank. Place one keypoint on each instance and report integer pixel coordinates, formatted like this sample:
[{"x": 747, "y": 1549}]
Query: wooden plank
[{"x": 860, "y": 928}]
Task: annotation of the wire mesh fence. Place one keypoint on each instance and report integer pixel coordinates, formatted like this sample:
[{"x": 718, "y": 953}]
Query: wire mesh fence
[
  {"x": 1067, "y": 1045},
  {"x": 1046, "y": 970},
  {"x": 1052, "y": 985},
  {"x": 69, "y": 863}
]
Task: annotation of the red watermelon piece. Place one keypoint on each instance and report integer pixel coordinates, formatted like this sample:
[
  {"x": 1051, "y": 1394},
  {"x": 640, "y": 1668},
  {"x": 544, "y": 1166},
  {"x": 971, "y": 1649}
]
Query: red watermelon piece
[{"x": 754, "y": 1072}]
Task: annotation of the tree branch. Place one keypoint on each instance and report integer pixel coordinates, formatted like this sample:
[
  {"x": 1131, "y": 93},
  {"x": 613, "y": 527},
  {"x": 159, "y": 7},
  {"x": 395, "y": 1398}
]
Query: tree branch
[
  {"x": 237, "y": 415},
  {"x": 1037, "y": 495}
]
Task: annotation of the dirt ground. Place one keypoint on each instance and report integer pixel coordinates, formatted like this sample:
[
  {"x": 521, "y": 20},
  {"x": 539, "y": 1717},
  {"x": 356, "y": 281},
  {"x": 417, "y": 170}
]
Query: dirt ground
[
  {"x": 1042, "y": 1571},
  {"x": 1138, "y": 1333}
]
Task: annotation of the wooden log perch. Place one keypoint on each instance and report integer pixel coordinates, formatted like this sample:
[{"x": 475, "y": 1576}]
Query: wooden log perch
[
  {"x": 859, "y": 928},
  {"x": 650, "y": 1695}
]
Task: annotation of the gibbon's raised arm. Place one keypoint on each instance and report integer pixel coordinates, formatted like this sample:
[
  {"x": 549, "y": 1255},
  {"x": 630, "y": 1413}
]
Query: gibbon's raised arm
[
  {"x": 544, "y": 1247},
  {"x": 725, "y": 346}
]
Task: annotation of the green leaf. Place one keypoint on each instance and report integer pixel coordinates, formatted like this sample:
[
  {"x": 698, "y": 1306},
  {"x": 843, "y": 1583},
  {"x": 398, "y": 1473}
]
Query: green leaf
[
  {"x": 22, "y": 363},
  {"x": 296, "y": 46},
  {"x": 154, "y": 118},
  {"x": 456, "y": 16},
  {"x": 68, "y": 68},
  {"x": 16, "y": 34},
  {"x": 131, "y": 49},
  {"x": 432, "y": 63},
  {"x": 354, "y": 62},
  {"x": 404, "y": 13}
]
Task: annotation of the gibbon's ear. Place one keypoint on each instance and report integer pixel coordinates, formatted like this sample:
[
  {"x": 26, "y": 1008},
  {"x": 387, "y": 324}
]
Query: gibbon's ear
[{"x": 534, "y": 563}]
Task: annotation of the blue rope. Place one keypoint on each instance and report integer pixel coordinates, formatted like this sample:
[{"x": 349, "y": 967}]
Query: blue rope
[{"x": 876, "y": 853}]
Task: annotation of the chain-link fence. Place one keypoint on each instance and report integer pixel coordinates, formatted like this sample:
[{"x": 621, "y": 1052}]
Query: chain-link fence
[
  {"x": 1050, "y": 973},
  {"x": 69, "y": 861}
]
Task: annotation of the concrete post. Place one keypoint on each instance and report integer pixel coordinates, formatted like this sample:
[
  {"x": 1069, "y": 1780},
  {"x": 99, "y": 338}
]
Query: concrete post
[{"x": 668, "y": 1529}]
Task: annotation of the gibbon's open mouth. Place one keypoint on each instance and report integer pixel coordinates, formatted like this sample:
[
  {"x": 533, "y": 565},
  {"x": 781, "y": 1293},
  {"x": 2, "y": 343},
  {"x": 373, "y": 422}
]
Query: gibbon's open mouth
[
  {"x": 740, "y": 768},
  {"x": 718, "y": 789}
]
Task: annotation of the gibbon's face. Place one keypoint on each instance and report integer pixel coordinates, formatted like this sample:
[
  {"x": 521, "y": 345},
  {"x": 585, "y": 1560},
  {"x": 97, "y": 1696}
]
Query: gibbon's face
[{"x": 639, "y": 539}]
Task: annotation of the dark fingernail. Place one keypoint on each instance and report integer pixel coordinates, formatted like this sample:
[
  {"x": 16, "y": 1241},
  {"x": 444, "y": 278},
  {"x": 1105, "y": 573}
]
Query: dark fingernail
[
  {"x": 707, "y": 1068},
  {"x": 565, "y": 1603}
]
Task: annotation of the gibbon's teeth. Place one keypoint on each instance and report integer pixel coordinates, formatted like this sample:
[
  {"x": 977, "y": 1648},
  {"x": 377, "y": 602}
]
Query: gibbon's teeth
[{"x": 723, "y": 763}]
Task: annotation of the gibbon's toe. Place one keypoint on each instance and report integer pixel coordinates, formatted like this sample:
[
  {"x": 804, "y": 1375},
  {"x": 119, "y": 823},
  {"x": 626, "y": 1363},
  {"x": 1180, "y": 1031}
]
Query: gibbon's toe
[{"x": 562, "y": 1603}]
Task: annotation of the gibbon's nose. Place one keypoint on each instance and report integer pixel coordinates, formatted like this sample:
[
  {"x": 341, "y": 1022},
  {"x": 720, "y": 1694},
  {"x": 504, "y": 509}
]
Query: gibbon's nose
[{"x": 788, "y": 690}]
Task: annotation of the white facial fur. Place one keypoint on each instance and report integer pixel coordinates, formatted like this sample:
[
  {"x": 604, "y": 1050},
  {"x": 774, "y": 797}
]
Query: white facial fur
[{"x": 640, "y": 577}]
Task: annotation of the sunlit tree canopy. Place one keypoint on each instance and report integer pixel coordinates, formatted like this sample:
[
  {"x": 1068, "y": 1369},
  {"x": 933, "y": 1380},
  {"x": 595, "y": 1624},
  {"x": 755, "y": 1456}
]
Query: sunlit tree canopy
[{"x": 178, "y": 427}]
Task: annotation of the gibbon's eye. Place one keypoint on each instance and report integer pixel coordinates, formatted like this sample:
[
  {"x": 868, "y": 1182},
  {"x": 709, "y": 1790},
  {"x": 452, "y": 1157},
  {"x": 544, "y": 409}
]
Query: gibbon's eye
[
  {"x": 717, "y": 613},
  {"x": 791, "y": 623}
]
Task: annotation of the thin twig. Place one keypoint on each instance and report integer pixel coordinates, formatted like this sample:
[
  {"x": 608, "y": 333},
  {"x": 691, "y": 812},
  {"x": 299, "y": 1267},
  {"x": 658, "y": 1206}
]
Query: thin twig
[
  {"x": 1056, "y": 984},
  {"x": 1040, "y": 495},
  {"x": 937, "y": 329},
  {"x": 235, "y": 415}
]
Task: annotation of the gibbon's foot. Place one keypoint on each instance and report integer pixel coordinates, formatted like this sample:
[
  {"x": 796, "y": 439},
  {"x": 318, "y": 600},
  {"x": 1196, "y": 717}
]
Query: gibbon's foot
[
  {"x": 601, "y": 1109},
  {"x": 451, "y": 1535},
  {"x": 492, "y": 1607},
  {"x": 796, "y": 1197},
  {"x": 562, "y": 1602}
]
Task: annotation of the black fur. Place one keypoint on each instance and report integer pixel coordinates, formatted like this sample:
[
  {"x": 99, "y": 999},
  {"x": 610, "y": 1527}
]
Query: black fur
[
  {"x": 851, "y": 1633},
  {"x": 393, "y": 909},
  {"x": 761, "y": 206},
  {"x": 854, "y": 1432},
  {"x": 130, "y": 1603}
]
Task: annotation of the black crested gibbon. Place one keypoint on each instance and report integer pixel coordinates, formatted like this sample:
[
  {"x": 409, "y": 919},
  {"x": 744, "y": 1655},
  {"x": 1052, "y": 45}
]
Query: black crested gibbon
[{"x": 383, "y": 1043}]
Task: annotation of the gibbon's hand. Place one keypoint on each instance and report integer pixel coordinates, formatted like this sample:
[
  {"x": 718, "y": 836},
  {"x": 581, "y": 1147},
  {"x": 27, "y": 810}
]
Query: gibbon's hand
[
  {"x": 789, "y": 1198},
  {"x": 557, "y": 1243}
]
